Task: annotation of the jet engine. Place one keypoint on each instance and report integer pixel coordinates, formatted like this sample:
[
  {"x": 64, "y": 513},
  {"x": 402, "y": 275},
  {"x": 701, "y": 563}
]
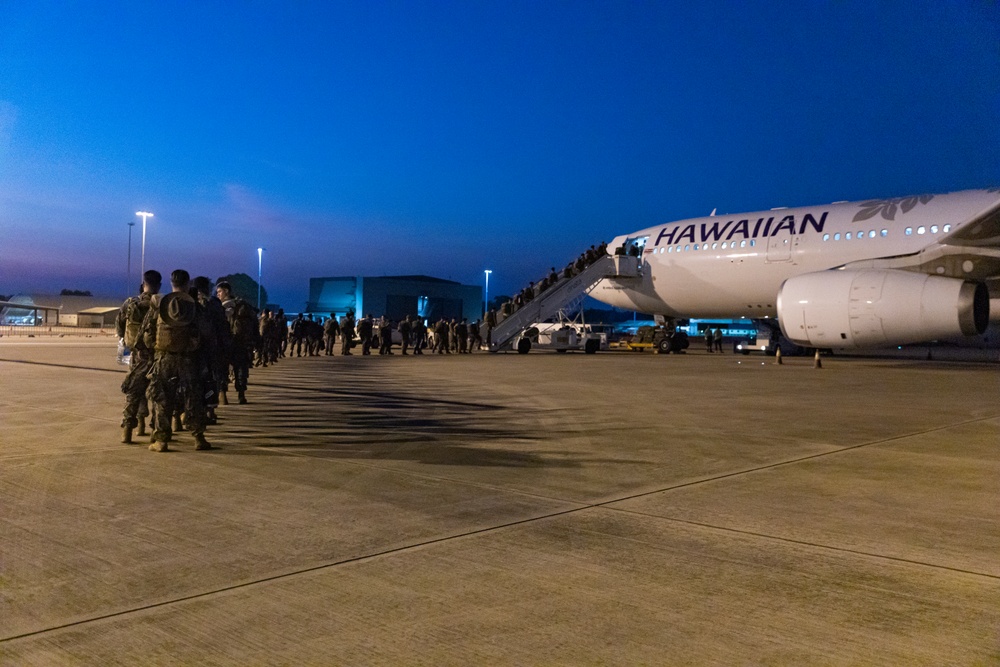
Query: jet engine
[{"x": 872, "y": 308}]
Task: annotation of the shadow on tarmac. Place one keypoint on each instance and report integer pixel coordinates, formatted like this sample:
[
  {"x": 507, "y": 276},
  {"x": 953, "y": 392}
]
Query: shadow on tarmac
[{"x": 367, "y": 420}]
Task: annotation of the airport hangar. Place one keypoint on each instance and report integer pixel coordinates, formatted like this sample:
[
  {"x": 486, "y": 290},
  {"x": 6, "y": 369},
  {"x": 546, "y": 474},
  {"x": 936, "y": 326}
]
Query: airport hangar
[{"x": 395, "y": 297}]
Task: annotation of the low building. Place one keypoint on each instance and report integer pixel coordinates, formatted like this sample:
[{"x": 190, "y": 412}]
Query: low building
[
  {"x": 98, "y": 317},
  {"x": 55, "y": 309},
  {"x": 395, "y": 297}
]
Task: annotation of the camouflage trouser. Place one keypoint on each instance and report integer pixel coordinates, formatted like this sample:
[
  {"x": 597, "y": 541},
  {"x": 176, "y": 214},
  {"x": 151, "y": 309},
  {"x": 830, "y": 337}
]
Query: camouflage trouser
[
  {"x": 240, "y": 360},
  {"x": 175, "y": 386},
  {"x": 134, "y": 387}
]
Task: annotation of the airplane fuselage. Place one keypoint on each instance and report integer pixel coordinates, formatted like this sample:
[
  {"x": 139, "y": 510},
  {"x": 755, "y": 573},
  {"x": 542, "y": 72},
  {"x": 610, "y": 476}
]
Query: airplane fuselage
[{"x": 735, "y": 265}]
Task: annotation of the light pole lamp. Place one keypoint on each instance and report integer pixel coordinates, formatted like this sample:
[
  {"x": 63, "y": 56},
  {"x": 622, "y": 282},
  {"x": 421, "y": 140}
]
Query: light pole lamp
[
  {"x": 487, "y": 302},
  {"x": 143, "y": 215},
  {"x": 260, "y": 263}
]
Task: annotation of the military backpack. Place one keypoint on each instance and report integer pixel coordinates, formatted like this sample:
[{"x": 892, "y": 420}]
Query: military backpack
[
  {"x": 176, "y": 327},
  {"x": 244, "y": 322},
  {"x": 135, "y": 313}
]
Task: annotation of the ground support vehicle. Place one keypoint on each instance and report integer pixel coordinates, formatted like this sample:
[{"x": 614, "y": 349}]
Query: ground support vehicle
[
  {"x": 661, "y": 339},
  {"x": 562, "y": 335}
]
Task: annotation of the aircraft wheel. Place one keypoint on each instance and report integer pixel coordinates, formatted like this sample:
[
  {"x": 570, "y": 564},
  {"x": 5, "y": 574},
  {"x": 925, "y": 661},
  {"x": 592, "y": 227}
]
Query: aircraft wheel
[
  {"x": 664, "y": 346},
  {"x": 523, "y": 346}
]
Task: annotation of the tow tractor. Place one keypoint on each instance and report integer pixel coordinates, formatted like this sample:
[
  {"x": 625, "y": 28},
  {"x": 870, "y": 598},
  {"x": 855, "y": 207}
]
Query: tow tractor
[{"x": 661, "y": 338}]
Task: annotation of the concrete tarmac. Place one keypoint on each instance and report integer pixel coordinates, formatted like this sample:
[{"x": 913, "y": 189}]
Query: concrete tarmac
[{"x": 615, "y": 509}]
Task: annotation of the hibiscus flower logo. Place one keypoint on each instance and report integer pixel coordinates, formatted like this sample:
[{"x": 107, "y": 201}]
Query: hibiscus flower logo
[{"x": 888, "y": 207}]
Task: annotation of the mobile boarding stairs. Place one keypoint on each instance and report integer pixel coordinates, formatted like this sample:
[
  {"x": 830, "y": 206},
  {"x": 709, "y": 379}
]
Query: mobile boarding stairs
[{"x": 556, "y": 297}]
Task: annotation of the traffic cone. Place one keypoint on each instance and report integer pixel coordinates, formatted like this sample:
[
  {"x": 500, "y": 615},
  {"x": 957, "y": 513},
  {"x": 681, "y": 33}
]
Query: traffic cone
[
  {"x": 816, "y": 362},
  {"x": 777, "y": 356}
]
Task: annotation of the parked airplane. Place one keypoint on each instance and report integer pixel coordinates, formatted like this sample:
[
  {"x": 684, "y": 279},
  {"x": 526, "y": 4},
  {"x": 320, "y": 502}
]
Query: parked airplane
[{"x": 848, "y": 274}]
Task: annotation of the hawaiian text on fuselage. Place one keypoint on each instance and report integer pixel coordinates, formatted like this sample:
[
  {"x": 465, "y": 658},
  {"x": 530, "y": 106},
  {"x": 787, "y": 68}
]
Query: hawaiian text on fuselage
[{"x": 744, "y": 229}]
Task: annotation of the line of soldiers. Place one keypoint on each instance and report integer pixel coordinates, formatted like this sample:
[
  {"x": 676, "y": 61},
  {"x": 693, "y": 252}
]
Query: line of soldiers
[
  {"x": 188, "y": 345},
  {"x": 185, "y": 345},
  {"x": 411, "y": 333},
  {"x": 533, "y": 290}
]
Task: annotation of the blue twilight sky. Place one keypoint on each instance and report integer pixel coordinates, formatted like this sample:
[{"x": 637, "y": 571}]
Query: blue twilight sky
[{"x": 448, "y": 137}]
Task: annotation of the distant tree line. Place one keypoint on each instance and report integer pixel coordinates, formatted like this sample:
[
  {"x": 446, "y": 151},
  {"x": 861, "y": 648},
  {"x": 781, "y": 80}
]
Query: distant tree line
[{"x": 75, "y": 292}]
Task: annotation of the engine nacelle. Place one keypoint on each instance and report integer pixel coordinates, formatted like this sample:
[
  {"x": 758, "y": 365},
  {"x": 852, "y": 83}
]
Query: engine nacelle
[{"x": 871, "y": 308}]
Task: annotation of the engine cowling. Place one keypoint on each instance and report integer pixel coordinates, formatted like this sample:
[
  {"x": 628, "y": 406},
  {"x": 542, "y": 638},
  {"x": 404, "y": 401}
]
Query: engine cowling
[{"x": 871, "y": 308}]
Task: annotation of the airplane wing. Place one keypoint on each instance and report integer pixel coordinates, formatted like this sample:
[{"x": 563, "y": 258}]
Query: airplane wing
[{"x": 970, "y": 252}]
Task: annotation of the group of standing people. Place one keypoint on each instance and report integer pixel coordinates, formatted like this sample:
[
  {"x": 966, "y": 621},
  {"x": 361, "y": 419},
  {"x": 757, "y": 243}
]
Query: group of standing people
[
  {"x": 413, "y": 333},
  {"x": 533, "y": 289},
  {"x": 186, "y": 345},
  {"x": 713, "y": 339},
  {"x": 190, "y": 344}
]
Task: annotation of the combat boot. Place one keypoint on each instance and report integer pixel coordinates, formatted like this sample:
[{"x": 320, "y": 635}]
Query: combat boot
[
  {"x": 200, "y": 443},
  {"x": 243, "y": 398},
  {"x": 127, "y": 433},
  {"x": 142, "y": 428},
  {"x": 178, "y": 427},
  {"x": 158, "y": 446},
  {"x": 223, "y": 399}
]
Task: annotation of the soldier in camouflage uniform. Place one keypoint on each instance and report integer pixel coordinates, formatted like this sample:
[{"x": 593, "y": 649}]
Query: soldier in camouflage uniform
[
  {"x": 243, "y": 327},
  {"x": 172, "y": 330},
  {"x": 346, "y": 334},
  {"x": 330, "y": 331},
  {"x": 216, "y": 343},
  {"x": 129, "y": 327}
]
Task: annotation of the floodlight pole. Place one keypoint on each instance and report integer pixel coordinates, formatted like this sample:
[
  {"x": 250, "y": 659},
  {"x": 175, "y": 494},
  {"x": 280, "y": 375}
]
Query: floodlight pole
[
  {"x": 143, "y": 215},
  {"x": 486, "y": 304}
]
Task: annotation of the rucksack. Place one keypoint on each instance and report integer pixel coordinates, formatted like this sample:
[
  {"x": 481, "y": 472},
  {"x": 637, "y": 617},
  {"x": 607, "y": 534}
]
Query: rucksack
[
  {"x": 174, "y": 338},
  {"x": 178, "y": 335},
  {"x": 244, "y": 322},
  {"x": 135, "y": 313}
]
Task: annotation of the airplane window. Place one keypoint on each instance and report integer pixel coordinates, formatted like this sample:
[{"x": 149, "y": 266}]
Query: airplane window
[
  {"x": 724, "y": 245},
  {"x": 752, "y": 243},
  {"x": 885, "y": 232},
  {"x": 836, "y": 237},
  {"x": 695, "y": 246},
  {"x": 826, "y": 237},
  {"x": 920, "y": 230},
  {"x": 743, "y": 244},
  {"x": 847, "y": 236},
  {"x": 908, "y": 231},
  {"x": 934, "y": 229},
  {"x": 947, "y": 228},
  {"x": 687, "y": 246},
  {"x": 871, "y": 234},
  {"x": 670, "y": 248},
  {"x": 714, "y": 246},
  {"x": 860, "y": 235}
]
